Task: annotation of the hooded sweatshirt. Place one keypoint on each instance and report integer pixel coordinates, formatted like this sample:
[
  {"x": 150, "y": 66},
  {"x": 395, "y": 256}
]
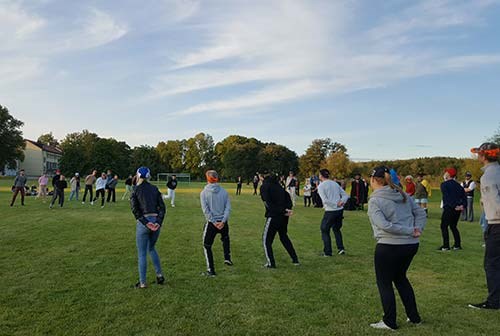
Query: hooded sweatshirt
[
  {"x": 393, "y": 220},
  {"x": 215, "y": 203},
  {"x": 490, "y": 192}
]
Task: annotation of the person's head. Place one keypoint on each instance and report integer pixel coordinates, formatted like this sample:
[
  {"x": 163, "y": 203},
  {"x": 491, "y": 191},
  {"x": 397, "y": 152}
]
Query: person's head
[
  {"x": 381, "y": 177},
  {"x": 103, "y": 175},
  {"x": 58, "y": 172},
  {"x": 449, "y": 173},
  {"x": 142, "y": 174},
  {"x": 174, "y": 177},
  {"x": 212, "y": 176},
  {"x": 308, "y": 181},
  {"x": 77, "y": 174},
  {"x": 115, "y": 177},
  {"x": 357, "y": 176},
  {"x": 290, "y": 173},
  {"x": 420, "y": 177},
  {"x": 324, "y": 174},
  {"x": 22, "y": 172},
  {"x": 486, "y": 153},
  {"x": 468, "y": 176},
  {"x": 94, "y": 172},
  {"x": 409, "y": 178}
]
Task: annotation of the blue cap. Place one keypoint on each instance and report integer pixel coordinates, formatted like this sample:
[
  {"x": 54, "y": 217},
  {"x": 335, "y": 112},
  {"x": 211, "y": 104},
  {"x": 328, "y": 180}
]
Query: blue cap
[{"x": 144, "y": 172}]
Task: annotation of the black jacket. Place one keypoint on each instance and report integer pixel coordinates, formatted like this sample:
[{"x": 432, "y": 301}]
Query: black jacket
[
  {"x": 453, "y": 194},
  {"x": 146, "y": 199},
  {"x": 172, "y": 184},
  {"x": 61, "y": 185},
  {"x": 276, "y": 199},
  {"x": 55, "y": 179}
]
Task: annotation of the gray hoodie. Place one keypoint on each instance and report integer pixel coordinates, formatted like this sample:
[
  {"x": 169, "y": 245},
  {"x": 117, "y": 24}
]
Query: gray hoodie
[
  {"x": 392, "y": 219},
  {"x": 215, "y": 203}
]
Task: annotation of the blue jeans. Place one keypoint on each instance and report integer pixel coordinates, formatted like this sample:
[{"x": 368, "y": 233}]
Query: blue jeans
[{"x": 146, "y": 240}]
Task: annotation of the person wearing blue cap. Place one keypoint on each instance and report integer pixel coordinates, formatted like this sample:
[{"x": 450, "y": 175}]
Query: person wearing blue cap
[{"x": 149, "y": 211}]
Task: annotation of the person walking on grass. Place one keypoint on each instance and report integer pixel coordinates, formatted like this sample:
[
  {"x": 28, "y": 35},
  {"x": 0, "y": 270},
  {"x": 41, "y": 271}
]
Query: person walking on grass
[
  {"x": 112, "y": 189},
  {"x": 278, "y": 206},
  {"x": 128, "y": 187},
  {"x": 19, "y": 187},
  {"x": 469, "y": 185},
  {"x": 423, "y": 192},
  {"x": 171, "y": 186},
  {"x": 291, "y": 185},
  {"x": 255, "y": 183},
  {"x": 100, "y": 187},
  {"x": 397, "y": 223},
  {"x": 89, "y": 185},
  {"x": 454, "y": 201},
  {"x": 333, "y": 198},
  {"x": 43, "y": 181},
  {"x": 149, "y": 210},
  {"x": 239, "y": 184},
  {"x": 59, "y": 187},
  {"x": 216, "y": 207},
  {"x": 307, "y": 193},
  {"x": 488, "y": 155},
  {"x": 75, "y": 186}
]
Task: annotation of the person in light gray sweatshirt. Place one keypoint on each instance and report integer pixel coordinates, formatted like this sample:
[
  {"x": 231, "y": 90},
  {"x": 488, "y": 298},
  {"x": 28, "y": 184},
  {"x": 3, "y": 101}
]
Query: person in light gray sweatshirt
[
  {"x": 216, "y": 208},
  {"x": 397, "y": 223}
]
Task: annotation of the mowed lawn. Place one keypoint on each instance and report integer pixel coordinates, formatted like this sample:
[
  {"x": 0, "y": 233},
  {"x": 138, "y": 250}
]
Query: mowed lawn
[{"x": 71, "y": 271}]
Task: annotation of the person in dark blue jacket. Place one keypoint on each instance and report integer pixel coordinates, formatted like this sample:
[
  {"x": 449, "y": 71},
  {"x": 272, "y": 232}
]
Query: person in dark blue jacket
[{"x": 454, "y": 201}]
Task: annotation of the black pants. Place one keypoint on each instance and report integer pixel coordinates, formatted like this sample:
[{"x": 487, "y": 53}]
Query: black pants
[
  {"x": 450, "y": 218},
  {"x": 209, "y": 233},
  {"x": 332, "y": 220},
  {"x": 277, "y": 225},
  {"x": 391, "y": 264},
  {"x": 255, "y": 188},
  {"x": 307, "y": 201},
  {"x": 102, "y": 193},
  {"x": 238, "y": 189},
  {"x": 17, "y": 191},
  {"x": 88, "y": 188},
  {"x": 111, "y": 193},
  {"x": 58, "y": 194},
  {"x": 492, "y": 264}
]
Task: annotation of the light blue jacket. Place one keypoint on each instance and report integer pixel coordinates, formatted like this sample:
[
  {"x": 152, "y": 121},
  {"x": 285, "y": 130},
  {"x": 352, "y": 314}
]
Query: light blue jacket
[{"x": 215, "y": 203}]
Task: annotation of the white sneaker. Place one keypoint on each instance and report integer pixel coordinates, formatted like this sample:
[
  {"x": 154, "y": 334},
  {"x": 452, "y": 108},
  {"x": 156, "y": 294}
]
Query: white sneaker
[
  {"x": 83, "y": 202},
  {"x": 102, "y": 206},
  {"x": 92, "y": 203},
  {"x": 381, "y": 325},
  {"x": 173, "y": 205}
]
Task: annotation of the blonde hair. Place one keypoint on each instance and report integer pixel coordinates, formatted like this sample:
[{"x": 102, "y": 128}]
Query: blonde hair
[{"x": 387, "y": 180}]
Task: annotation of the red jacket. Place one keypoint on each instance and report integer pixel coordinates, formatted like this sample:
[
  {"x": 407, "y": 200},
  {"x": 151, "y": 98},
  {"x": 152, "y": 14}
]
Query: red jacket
[{"x": 410, "y": 188}]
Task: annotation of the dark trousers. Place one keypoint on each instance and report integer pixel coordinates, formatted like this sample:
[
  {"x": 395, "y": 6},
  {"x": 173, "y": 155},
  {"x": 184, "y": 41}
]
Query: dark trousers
[
  {"x": 111, "y": 195},
  {"x": 238, "y": 189},
  {"x": 492, "y": 264},
  {"x": 332, "y": 220},
  {"x": 58, "y": 194},
  {"x": 255, "y": 188},
  {"x": 391, "y": 264},
  {"x": 102, "y": 194},
  {"x": 88, "y": 188},
  {"x": 277, "y": 225},
  {"x": 18, "y": 190},
  {"x": 209, "y": 233},
  {"x": 450, "y": 218},
  {"x": 307, "y": 201},
  {"x": 468, "y": 213}
]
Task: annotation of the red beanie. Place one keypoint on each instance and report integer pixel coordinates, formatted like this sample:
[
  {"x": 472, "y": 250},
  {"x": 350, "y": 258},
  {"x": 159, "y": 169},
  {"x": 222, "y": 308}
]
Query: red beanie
[{"x": 451, "y": 171}]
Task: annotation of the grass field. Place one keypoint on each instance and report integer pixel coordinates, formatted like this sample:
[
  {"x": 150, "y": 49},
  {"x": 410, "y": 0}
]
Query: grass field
[{"x": 71, "y": 271}]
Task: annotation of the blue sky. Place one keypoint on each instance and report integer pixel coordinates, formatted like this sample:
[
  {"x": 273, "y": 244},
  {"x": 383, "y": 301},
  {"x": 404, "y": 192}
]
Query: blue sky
[{"x": 389, "y": 79}]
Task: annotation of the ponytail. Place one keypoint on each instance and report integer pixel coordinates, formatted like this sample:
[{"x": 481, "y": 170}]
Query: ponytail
[{"x": 390, "y": 183}]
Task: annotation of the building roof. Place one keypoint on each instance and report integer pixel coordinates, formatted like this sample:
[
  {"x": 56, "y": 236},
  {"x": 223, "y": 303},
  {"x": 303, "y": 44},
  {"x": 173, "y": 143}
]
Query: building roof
[{"x": 45, "y": 148}]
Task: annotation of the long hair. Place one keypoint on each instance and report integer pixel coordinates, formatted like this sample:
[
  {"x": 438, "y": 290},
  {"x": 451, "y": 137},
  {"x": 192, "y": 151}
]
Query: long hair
[{"x": 387, "y": 180}]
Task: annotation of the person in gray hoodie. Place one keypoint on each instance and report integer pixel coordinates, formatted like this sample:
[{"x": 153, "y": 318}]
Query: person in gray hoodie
[
  {"x": 397, "y": 224},
  {"x": 216, "y": 208},
  {"x": 19, "y": 187}
]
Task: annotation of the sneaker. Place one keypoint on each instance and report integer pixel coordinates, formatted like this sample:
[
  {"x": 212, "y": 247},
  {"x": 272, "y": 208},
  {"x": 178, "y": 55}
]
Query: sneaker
[
  {"x": 140, "y": 285},
  {"x": 83, "y": 202},
  {"x": 296, "y": 263},
  {"x": 482, "y": 305},
  {"x": 414, "y": 323},
  {"x": 381, "y": 325},
  {"x": 341, "y": 252},
  {"x": 209, "y": 274},
  {"x": 228, "y": 262},
  {"x": 268, "y": 265},
  {"x": 160, "y": 279},
  {"x": 456, "y": 248},
  {"x": 173, "y": 205},
  {"x": 102, "y": 206},
  {"x": 443, "y": 248},
  {"x": 92, "y": 203},
  {"x": 50, "y": 206},
  {"x": 325, "y": 255}
]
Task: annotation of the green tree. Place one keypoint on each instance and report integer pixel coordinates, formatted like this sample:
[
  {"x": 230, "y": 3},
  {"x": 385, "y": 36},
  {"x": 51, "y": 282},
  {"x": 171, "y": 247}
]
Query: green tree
[
  {"x": 79, "y": 152},
  {"x": 112, "y": 154},
  {"x": 339, "y": 165},
  {"x": 239, "y": 156},
  {"x": 316, "y": 153},
  {"x": 171, "y": 155},
  {"x": 145, "y": 156},
  {"x": 48, "y": 139},
  {"x": 11, "y": 139},
  {"x": 279, "y": 159},
  {"x": 495, "y": 138},
  {"x": 200, "y": 154}
]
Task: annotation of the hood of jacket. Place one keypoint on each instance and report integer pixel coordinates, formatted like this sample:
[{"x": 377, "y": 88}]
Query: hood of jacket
[
  {"x": 389, "y": 194},
  {"x": 212, "y": 187}
]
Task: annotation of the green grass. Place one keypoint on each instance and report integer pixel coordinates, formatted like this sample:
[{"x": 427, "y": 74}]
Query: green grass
[{"x": 70, "y": 271}]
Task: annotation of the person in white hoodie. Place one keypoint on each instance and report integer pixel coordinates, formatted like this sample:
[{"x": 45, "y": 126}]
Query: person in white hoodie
[
  {"x": 397, "y": 223},
  {"x": 216, "y": 207},
  {"x": 333, "y": 198},
  {"x": 100, "y": 188}
]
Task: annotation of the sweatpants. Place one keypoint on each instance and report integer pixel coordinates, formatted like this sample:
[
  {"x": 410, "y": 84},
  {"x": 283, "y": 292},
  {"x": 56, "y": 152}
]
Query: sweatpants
[
  {"x": 492, "y": 264},
  {"x": 468, "y": 213},
  {"x": 209, "y": 233},
  {"x": 391, "y": 264},
  {"x": 58, "y": 194},
  {"x": 102, "y": 193},
  {"x": 332, "y": 220},
  {"x": 17, "y": 191},
  {"x": 450, "y": 218},
  {"x": 277, "y": 225},
  {"x": 111, "y": 195},
  {"x": 88, "y": 188}
]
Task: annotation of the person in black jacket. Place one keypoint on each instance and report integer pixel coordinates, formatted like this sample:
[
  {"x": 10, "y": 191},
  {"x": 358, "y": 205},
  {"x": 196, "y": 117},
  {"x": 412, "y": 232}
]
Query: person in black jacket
[
  {"x": 171, "y": 185},
  {"x": 278, "y": 206},
  {"x": 59, "y": 186},
  {"x": 454, "y": 201},
  {"x": 358, "y": 192},
  {"x": 111, "y": 185},
  {"x": 149, "y": 211},
  {"x": 56, "y": 178}
]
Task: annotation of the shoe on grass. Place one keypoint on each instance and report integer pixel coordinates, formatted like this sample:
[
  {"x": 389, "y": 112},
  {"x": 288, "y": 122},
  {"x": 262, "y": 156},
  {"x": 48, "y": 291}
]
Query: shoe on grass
[
  {"x": 209, "y": 274},
  {"x": 325, "y": 255},
  {"x": 268, "y": 265},
  {"x": 456, "y": 248},
  {"x": 483, "y": 305},
  {"x": 140, "y": 285},
  {"x": 381, "y": 325},
  {"x": 443, "y": 248},
  {"x": 228, "y": 262},
  {"x": 296, "y": 263},
  {"x": 411, "y": 322},
  {"x": 160, "y": 279},
  {"x": 341, "y": 252}
]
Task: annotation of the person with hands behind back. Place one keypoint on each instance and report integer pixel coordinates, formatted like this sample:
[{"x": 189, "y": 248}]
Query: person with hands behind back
[
  {"x": 397, "y": 223},
  {"x": 149, "y": 210}
]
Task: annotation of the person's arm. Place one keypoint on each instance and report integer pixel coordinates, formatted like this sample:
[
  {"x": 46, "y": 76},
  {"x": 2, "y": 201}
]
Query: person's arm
[
  {"x": 227, "y": 209},
  {"x": 472, "y": 186},
  {"x": 324, "y": 197},
  {"x": 136, "y": 209},
  {"x": 378, "y": 219},
  {"x": 205, "y": 207},
  {"x": 161, "y": 208},
  {"x": 265, "y": 196},
  {"x": 343, "y": 195},
  {"x": 419, "y": 215}
]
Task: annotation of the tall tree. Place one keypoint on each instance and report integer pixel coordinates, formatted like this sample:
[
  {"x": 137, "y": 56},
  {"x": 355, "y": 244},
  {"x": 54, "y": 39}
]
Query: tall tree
[
  {"x": 145, "y": 156},
  {"x": 495, "y": 138},
  {"x": 11, "y": 139},
  {"x": 338, "y": 164},
  {"x": 316, "y": 153},
  {"x": 279, "y": 159},
  {"x": 48, "y": 139},
  {"x": 239, "y": 156},
  {"x": 112, "y": 154},
  {"x": 200, "y": 154},
  {"x": 79, "y": 152},
  {"x": 172, "y": 156}
]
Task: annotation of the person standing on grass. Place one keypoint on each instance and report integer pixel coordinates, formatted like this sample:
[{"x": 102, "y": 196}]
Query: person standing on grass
[
  {"x": 333, "y": 198},
  {"x": 75, "y": 186},
  {"x": 89, "y": 185},
  {"x": 112, "y": 189},
  {"x": 56, "y": 178},
  {"x": 19, "y": 187},
  {"x": 423, "y": 192},
  {"x": 488, "y": 154},
  {"x": 171, "y": 186},
  {"x": 216, "y": 207},
  {"x": 397, "y": 223},
  {"x": 469, "y": 185},
  {"x": 358, "y": 191},
  {"x": 61, "y": 184},
  {"x": 410, "y": 185},
  {"x": 307, "y": 193},
  {"x": 291, "y": 185},
  {"x": 149, "y": 210},
  {"x": 100, "y": 187},
  {"x": 255, "y": 183},
  {"x": 278, "y": 206},
  {"x": 128, "y": 187},
  {"x": 239, "y": 184},
  {"x": 42, "y": 185},
  {"x": 109, "y": 179},
  {"x": 454, "y": 201}
]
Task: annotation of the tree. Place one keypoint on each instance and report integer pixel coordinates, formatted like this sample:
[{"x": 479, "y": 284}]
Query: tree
[
  {"x": 48, "y": 139},
  {"x": 114, "y": 155},
  {"x": 279, "y": 159},
  {"x": 145, "y": 156},
  {"x": 79, "y": 152},
  {"x": 171, "y": 155},
  {"x": 239, "y": 156},
  {"x": 11, "y": 139},
  {"x": 200, "y": 154},
  {"x": 339, "y": 165},
  {"x": 316, "y": 153},
  {"x": 495, "y": 138}
]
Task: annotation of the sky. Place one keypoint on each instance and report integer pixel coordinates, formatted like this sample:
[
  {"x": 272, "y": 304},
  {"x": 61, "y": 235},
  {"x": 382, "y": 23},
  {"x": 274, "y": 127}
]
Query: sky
[{"x": 389, "y": 79}]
